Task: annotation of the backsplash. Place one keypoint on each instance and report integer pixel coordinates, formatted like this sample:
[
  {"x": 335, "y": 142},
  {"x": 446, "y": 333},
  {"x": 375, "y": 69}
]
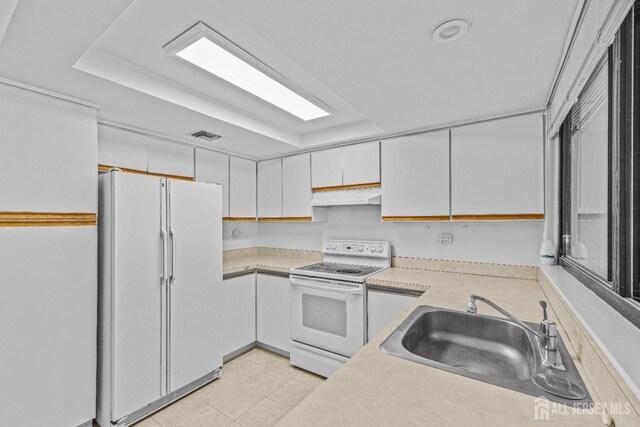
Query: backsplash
[
  {"x": 501, "y": 242},
  {"x": 248, "y": 236}
]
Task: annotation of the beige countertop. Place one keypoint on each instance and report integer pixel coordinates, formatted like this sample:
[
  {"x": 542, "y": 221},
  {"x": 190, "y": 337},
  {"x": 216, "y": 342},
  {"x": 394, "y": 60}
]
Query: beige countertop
[
  {"x": 375, "y": 389},
  {"x": 392, "y": 278},
  {"x": 274, "y": 263}
]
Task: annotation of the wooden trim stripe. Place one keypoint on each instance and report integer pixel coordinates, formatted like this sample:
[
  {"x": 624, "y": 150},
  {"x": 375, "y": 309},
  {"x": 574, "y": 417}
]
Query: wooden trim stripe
[
  {"x": 239, "y": 218},
  {"x": 296, "y": 218},
  {"x": 106, "y": 168},
  {"x": 346, "y": 187},
  {"x": 47, "y": 219},
  {"x": 284, "y": 218},
  {"x": 498, "y": 217},
  {"x": 417, "y": 218}
]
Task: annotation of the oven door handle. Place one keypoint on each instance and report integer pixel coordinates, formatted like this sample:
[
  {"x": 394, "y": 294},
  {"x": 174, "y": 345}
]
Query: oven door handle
[{"x": 313, "y": 285}]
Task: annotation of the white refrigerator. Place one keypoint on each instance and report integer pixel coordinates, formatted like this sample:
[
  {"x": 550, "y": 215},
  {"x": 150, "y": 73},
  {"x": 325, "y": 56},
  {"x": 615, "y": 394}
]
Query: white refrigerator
[{"x": 160, "y": 276}]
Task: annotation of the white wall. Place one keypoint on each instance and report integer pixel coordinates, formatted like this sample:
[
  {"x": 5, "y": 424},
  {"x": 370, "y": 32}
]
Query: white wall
[
  {"x": 505, "y": 242},
  {"x": 248, "y": 235}
]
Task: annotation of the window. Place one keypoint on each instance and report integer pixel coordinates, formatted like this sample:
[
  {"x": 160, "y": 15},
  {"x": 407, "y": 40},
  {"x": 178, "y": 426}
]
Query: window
[
  {"x": 600, "y": 177},
  {"x": 587, "y": 239}
]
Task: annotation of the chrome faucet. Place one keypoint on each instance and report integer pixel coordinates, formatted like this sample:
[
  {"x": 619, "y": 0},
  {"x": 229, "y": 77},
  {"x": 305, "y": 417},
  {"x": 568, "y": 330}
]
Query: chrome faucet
[{"x": 548, "y": 333}]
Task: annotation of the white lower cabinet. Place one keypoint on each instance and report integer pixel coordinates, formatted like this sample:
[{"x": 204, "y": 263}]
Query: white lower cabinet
[
  {"x": 382, "y": 308},
  {"x": 239, "y": 301},
  {"x": 273, "y": 311}
]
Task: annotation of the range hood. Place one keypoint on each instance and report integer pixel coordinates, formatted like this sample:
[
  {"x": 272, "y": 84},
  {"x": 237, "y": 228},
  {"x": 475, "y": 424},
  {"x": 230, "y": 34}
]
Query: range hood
[{"x": 356, "y": 196}]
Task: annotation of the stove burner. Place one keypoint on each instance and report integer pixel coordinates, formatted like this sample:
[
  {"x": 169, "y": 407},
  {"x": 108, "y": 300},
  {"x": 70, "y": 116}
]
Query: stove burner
[{"x": 349, "y": 271}]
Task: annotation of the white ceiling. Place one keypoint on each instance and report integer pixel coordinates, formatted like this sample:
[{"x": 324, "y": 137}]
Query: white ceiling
[{"x": 372, "y": 61}]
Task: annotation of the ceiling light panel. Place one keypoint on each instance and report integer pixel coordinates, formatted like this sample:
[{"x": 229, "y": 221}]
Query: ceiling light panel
[{"x": 211, "y": 57}]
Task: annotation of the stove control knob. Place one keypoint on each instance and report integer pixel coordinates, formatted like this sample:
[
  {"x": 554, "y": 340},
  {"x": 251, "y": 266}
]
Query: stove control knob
[
  {"x": 361, "y": 248},
  {"x": 380, "y": 248}
]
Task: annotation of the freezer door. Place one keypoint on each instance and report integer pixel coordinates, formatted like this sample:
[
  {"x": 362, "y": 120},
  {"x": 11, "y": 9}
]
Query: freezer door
[
  {"x": 195, "y": 310},
  {"x": 137, "y": 292}
]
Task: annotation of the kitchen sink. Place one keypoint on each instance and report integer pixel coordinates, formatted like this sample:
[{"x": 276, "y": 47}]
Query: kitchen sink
[{"x": 490, "y": 349}]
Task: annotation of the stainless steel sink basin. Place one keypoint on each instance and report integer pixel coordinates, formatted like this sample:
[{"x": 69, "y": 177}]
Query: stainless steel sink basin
[{"x": 490, "y": 349}]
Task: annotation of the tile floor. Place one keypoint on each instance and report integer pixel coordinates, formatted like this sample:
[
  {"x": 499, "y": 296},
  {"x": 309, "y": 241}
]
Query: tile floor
[{"x": 256, "y": 390}]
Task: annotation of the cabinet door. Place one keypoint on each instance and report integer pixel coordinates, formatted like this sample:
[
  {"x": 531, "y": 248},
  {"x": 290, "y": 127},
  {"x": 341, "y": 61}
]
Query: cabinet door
[
  {"x": 497, "y": 169},
  {"x": 296, "y": 186},
  {"x": 326, "y": 168},
  {"x": 361, "y": 163},
  {"x": 415, "y": 177},
  {"x": 270, "y": 189},
  {"x": 242, "y": 188},
  {"x": 273, "y": 311},
  {"x": 170, "y": 159},
  {"x": 214, "y": 167},
  {"x": 123, "y": 149},
  {"x": 383, "y": 308},
  {"x": 239, "y": 310}
]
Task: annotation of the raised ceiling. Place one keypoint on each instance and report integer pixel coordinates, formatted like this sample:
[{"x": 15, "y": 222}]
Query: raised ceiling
[{"x": 373, "y": 62}]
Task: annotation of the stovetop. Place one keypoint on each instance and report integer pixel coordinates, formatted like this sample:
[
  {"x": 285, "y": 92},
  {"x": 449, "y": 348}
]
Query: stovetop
[{"x": 339, "y": 271}]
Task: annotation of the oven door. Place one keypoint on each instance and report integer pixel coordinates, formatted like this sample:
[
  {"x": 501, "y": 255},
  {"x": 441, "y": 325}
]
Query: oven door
[{"x": 327, "y": 314}]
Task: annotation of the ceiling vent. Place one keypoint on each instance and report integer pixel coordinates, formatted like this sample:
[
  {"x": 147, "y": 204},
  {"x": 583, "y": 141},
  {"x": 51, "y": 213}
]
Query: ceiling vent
[{"x": 207, "y": 136}]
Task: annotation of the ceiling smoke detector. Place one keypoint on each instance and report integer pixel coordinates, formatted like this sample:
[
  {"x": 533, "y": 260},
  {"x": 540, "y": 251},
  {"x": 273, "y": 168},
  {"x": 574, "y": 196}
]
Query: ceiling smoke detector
[
  {"x": 451, "y": 30},
  {"x": 207, "y": 136}
]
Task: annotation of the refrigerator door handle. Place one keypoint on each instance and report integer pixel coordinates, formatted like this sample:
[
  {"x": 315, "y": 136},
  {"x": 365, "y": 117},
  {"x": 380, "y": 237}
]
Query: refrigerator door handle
[
  {"x": 163, "y": 234},
  {"x": 174, "y": 248}
]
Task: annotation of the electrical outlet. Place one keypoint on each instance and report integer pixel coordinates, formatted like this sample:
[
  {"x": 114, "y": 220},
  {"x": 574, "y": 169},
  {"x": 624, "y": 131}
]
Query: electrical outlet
[{"x": 446, "y": 239}]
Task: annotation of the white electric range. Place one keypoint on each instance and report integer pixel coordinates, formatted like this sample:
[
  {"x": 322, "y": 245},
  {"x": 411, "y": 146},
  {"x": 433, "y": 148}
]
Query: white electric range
[{"x": 328, "y": 302}]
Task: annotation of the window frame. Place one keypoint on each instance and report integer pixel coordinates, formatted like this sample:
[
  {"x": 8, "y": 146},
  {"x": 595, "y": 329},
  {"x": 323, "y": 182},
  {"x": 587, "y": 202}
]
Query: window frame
[{"x": 621, "y": 289}]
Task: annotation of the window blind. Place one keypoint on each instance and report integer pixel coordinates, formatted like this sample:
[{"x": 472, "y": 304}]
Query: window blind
[{"x": 593, "y": 97}]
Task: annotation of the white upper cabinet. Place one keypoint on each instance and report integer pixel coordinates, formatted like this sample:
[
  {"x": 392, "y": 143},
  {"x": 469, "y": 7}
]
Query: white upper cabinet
[
  {"x": 270, "y": 189},
  {"x": 497, "y": 169},
  {"x": 214, "y": 167},
  {"x": 361, "y": 164},
  {"x": 125, "y": 149},
  {"x": 48, "y": 154},
  {"x": 170, "y": 159},
  {"x": 242, "y": 188},
  {"x": 415, "y": 177},
  {"x": 350, "y": 165},
  {"x": 326, "y": 168},
  {"x": 122, "y": 149},
  {"x": 296, "y": 186}
]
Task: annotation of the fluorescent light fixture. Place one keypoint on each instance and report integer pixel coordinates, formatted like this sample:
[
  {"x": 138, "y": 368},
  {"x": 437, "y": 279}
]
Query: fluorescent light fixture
[{"x": 209, "y": 56}]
